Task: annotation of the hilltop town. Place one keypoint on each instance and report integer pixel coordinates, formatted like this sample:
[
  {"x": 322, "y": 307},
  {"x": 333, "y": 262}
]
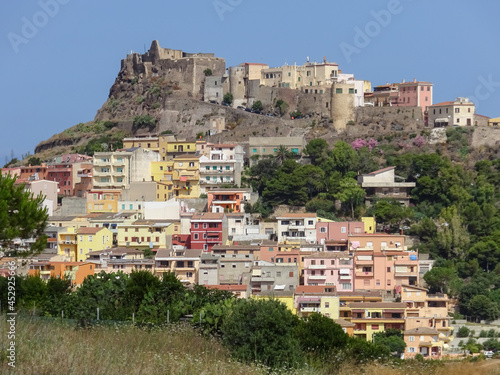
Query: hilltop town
[{"x": 273, "y": 182}]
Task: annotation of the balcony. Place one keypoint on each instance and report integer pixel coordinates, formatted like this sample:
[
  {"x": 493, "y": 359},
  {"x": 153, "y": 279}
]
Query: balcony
[
  {"x": 317, "y": 277},
  {"x": 83, "y": 175},
  {"x": 364, "y": 273},
  {"x": 71, "y": 242},
  {"x": 224, "y": 202},
  {"x": 213, "y": 240},
  {"x": 262, "y": 279},
  {"x": 365, "y": 262},
  {"x": 44, "y": 272},
  {"x": 317, "y": 267},
  {"x": 345, "y": 277},
  {"x": 297, "y": 227},
  {"x": 218, "y": 171},
  {"x": 309, "y": 309},
  {"x": 101, "y": 163}
]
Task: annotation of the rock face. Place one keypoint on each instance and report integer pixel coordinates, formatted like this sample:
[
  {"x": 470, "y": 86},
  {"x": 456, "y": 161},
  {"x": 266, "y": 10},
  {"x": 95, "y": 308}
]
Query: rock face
[
  {"x": 485, "y": 136},
  {"x": 438, "y": 135}
]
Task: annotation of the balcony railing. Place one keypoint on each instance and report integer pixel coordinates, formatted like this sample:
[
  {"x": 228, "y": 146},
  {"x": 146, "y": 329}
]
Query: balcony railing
[
  {"x": 364, "y": 273},
  {"x": 317, "y": 266},
  {"x": 309, "y": 309}
]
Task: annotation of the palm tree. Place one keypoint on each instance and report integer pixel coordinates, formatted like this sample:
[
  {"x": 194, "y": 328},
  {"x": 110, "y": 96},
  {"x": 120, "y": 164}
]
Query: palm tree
[{"x": 282, "y": 153}]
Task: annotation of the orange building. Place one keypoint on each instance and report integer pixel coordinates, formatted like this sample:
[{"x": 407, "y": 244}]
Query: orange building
[
  {"x": 103, "y": 200},
  {"x": 76, "y": 272}
]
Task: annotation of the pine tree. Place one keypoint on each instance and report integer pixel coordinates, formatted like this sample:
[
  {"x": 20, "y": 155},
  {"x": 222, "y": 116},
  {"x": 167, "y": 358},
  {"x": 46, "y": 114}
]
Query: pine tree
[{"x": 22, "y": 217}]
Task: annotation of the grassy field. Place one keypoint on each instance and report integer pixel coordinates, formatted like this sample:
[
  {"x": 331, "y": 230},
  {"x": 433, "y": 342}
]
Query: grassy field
[{"x": 45, "y": 348}]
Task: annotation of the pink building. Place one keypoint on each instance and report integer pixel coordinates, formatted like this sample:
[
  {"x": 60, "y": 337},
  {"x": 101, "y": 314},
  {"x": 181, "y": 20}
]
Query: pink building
[
  {"x": 415, "y": 94},
  {"x": 63, "y": 175},
  {"x": 338, "y": 231},
  {"x": 329, "y": 269},
  {"x": 382, "y": 262}
]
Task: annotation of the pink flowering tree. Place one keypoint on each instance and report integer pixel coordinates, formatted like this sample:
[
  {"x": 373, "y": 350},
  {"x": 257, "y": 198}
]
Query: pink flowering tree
[{"x": 419, "y": 141}]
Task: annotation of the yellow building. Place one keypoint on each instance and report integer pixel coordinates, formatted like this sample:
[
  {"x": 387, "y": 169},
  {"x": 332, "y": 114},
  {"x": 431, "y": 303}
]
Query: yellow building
[
  {"x": 370, "y": 224},
  {"x": 66, "y": 243},
  {"x": 103, "y": 200},
  {"x": 144, "y": 234},
  {"x": 371, "y": 318},
  {"x": 494, "y": 122},
  {"x": 76, "y": 243},
  {"x": 179, "y": 178},
  {"x": 288, "y": 301},
  {"x": 150, "y": 142},
  {"x": 92, "y": 239},
  {"x": 170, "y": 148}
]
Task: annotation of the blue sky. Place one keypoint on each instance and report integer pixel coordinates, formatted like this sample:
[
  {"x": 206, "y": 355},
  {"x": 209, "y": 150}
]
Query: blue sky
[{"x": 60, "y": 57}]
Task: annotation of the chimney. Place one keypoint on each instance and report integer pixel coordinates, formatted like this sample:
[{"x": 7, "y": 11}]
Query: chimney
[{"x": 414, "y": 80}]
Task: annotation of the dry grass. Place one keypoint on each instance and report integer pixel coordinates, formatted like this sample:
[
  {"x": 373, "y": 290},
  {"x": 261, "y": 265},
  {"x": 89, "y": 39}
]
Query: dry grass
[{"x": 48, "y": 349}]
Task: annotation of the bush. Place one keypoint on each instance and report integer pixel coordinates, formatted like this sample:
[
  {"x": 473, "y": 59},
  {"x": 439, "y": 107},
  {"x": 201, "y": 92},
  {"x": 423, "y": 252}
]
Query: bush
[
  {"x": 463, "y": 332},
  {"x": 228, "y": 98},
  {"x": 146, "y": 121},
  {"x": 207, "y": 72},
  {"x": 262, "y": 331},
  {"x": 257, "y": 106}
]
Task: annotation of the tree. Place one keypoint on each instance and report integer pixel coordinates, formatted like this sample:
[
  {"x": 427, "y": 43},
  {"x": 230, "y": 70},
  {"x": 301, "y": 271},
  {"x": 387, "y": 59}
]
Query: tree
[
  {"x": 391, "y": 213},
  {"x": 207, "y": 72},
  {"x": 319, "y": 334},
  {"x": 227, "y": 98},
  {"x": 34, "y": 161},
  {"x": 443, "y": 280},
  {"x": 343, "y": 157},
  {"x": 392, "y": 339},
  {"x": 257, "y": 106},
  {"x": 262, "y": 331},
  {"x": 481, "y": 307},
  {"x": 22, "y": 217},
  {"x": 351, "y": 194},
  {"x": 282, "y": 153},
  {"x": 317, "y": 150},
  {"x": 282, "y": 106},
  {"x": 453, "y": 238}
]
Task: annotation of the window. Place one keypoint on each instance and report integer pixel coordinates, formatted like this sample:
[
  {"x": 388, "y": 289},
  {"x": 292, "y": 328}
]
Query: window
[
  {"x": 196, "y": 225},
  {"x": 254, "y": 150},
  {"x": 322, "y": 230},
  {"x": 195, "y": 236},
  {"x": 310, "y": 222},
  {"x": 412, "y": 349},
  {"x": 90, "y": 238},
  {"x": 327, "y": 304},
  {"x": 343, "y": 230},
  {"x": 375, "y": 327},
  {"x": 338, "y": 91},
  {"x": 412, "y": 339},
  {"x": 388, "y": 269},
  {"x": 346, "y": 286},
  {"x": 457, "y": 110},
  {"x": 290, "y": 274},
  {"x": 351, "y": 91},
  {"x": 369, "y": 244},
  {"x": 81, "y": 238}
]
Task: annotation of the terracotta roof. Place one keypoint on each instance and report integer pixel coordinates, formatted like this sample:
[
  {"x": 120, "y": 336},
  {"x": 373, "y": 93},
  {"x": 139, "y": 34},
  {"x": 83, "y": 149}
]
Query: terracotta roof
[
  {"x": 377, "y": 305},
  {"x": 231, "y": 288},
  {"x": 236, "y": 247},
  {"x": 186, "y": 156},
  {"x": 117, "y": 251},
  {"x": 224, "y": 145},
  {"x": 296, "y": 215},
  {"x": 328, "y": 254},
  {"x": 450, "y": 103},
  {"x": 414, "y": 287},
  {"x": 344, "y": 323},
  {"x": 381, "y": 170},
  {"x": 421, "y": 331},
  {"x": 475, "y": 114},
  {"x": 313, "y": 289},
  {"x": 208, "y": 216},
  {"x": 87, "y": 230}
]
